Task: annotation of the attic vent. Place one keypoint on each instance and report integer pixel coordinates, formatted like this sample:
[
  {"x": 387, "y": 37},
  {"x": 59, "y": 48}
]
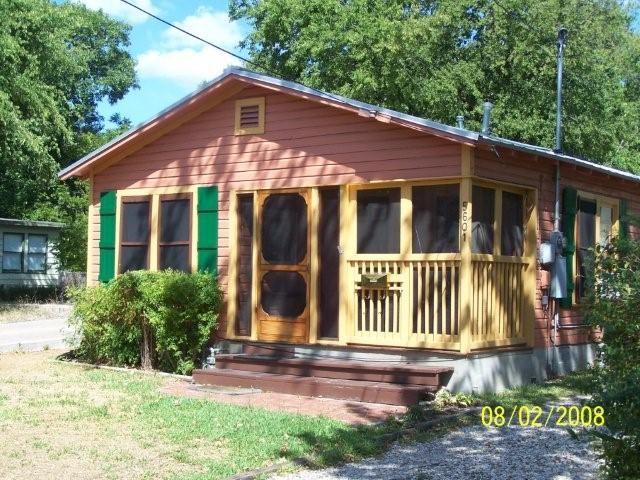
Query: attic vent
[{"x": 249, "y": 116}]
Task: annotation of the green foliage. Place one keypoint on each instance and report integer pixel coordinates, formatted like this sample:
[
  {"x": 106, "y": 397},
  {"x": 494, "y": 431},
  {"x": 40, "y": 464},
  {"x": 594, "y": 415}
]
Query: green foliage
[
  {"x": 59, "y": 60},
  {"x": 613, "y": 305},
  {"x": 441, "y": 58},
  {"x": 180, "y": 309}
]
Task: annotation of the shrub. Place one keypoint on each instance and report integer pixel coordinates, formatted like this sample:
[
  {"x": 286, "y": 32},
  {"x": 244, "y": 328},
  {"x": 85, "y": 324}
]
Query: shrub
[
  {"x": 613, "y": 304},
  {"x": 152, "y": 319}
]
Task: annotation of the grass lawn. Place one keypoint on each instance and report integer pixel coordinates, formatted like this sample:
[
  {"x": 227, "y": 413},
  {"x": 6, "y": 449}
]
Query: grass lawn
[{"x": 65, "y": 421}]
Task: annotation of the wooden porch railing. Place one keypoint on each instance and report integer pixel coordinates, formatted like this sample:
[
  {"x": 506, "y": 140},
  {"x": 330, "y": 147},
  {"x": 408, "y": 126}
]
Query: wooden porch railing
[{"x": 420, "y": 306}]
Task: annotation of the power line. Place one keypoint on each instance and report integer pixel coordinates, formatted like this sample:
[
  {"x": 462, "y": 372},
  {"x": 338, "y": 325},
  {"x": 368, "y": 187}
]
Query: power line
[{"x": 229, "y": 52}]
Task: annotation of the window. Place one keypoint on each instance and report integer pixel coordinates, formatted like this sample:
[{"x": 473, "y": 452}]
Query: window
[
  {"x": 37, "y": 253},
  {"x": 378, "y": 221},
  {"x": 12, "y": 253},
  {"x": 586, "y": 239},
  {"x": 483, "y": 215},
  {"x": 134, "y": 238},
  {"x": 436, "y": 219},
  {"x": 175, "y": 233},
  {"x": 249, "y": 116},
  {"x": 512, "y": 241}
]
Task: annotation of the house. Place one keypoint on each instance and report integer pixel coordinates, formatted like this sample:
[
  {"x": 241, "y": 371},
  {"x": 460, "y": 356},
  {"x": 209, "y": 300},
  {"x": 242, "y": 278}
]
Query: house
[
  {"x": 352, "y": 238},
  {"x": 27, "y": 254}
]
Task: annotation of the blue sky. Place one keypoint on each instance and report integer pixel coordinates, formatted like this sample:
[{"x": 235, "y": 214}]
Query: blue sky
[{"x": 171, "y": 64}]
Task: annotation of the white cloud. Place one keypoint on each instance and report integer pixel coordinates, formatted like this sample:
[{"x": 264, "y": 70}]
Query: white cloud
[
  {"x": 186, "y": 66},
  {"x": 184, "y": 60},
  {"x": 207, "y": 24},
  {"x": 121, "y": 10}
]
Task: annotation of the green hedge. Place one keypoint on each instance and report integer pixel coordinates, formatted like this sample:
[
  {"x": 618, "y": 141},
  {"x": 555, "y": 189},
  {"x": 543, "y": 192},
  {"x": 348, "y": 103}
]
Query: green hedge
[
  {"x": 613, "y": 304},
  {"x": 154, "y": 319}
]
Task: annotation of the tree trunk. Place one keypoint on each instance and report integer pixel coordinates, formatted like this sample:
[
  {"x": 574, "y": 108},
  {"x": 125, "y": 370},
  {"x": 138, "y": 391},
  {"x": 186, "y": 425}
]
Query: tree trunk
[{"x": 147, "y": 349}]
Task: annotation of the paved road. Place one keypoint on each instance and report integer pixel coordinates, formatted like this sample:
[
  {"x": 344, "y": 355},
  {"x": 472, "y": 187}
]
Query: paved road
[{"x": 34, "y": 335}]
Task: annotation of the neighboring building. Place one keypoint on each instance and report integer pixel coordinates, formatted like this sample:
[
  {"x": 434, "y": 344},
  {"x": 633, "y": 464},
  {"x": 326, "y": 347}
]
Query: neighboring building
[
  {"x": 27, "y": 253},
  {"x": 341, "y": 229}
]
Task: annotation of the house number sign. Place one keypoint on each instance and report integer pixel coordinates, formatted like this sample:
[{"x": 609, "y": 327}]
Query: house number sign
[{"x": 465, "y": 220}]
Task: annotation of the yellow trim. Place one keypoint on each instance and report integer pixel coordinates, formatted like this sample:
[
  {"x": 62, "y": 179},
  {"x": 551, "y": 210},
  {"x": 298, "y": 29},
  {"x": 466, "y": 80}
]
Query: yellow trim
[
  {"x": 529, "y": 289},
  {"x": 314, "y": 268},
  {"x": 256, "y": 101},
  {"x": 466, "y": 225},
  {"x": 232, "y": 277},
  {"x": 255, "y": 254},
  {"x": 90, "y": 233},
  {"x": 154, "y": 238},
  {"x": 344, "y": 240}
]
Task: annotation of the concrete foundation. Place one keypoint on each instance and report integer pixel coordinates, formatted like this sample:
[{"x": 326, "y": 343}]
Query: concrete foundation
[{"x": 475, "y": 373}]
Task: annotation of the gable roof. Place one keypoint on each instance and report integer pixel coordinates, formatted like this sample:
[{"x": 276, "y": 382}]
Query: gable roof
[{"x": 181, "y": 111}]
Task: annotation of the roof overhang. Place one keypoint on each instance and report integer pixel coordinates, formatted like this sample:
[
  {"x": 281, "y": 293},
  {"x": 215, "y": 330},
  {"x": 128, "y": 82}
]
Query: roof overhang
[{"x": 14, "y": 222}]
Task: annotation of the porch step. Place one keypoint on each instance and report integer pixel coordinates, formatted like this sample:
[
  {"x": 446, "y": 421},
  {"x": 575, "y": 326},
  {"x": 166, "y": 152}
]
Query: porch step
[
  {"x": 355, "y": 390},
  {"x": 385, "y": 372}
]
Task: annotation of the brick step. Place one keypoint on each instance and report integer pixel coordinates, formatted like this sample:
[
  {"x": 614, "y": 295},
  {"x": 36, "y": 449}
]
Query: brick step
[
  {"x": 396, "y": 373},
  {"x": 355, "y": 390}
]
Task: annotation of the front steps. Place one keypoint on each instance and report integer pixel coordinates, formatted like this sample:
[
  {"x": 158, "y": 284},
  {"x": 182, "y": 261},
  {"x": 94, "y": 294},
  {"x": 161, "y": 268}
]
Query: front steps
[{"x": 375, "y": 382}]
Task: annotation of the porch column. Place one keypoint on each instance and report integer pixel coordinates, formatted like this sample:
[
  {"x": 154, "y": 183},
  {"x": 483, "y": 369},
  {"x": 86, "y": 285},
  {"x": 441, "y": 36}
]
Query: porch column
[{"x": 466, "y": 289}]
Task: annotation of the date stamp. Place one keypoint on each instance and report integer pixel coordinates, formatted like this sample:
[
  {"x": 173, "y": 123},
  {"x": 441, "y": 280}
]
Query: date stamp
[{"x": 534, "y": 416}]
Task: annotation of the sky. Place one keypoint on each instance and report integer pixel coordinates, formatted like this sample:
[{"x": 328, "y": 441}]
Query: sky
[{"x": 171, "y": 64}]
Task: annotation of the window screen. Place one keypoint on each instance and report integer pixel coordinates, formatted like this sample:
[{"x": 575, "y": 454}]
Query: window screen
[
  {"x": 512, "y": 240},
  {"x": 328, "y": 240},
  {"x": 245, "y": 263},
  {"x": 586, "y": 240},
  {"x": 12, "y": 252},
  {"x": 175, "y": 234},
  {"x": 134, "y": 244},
  {"x": 436, "y": 219},
  {"x": 283, "y": 294},
  {"x": 284, "y": 229},
  {"x": 379, "y": 221},
  {"x": 483, "y": 214},
  {"x": 37, "y": 253}
]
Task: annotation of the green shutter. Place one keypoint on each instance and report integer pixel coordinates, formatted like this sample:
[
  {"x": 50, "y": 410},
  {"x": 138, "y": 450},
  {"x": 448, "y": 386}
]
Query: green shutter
[
  {"x": 107, "y": 236},
  {"x": 569, "y": 209},
  {"x": 624, "y": 219},
  {"x": 208, "y": 229}
]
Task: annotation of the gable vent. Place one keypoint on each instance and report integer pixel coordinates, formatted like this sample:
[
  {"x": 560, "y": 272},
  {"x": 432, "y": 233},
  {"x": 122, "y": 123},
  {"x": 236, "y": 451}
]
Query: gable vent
[{"x": 249, "y": 116}]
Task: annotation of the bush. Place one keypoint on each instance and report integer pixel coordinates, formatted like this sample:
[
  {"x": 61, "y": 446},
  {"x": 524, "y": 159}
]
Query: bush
[
  {"x": 153, "y": 319},
  {"x": 613, "y": 304}
]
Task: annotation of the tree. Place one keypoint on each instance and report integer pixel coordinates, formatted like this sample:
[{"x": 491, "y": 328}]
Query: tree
[
  {"x": 57, "y": 62},
  {"x": 442, "y": 58}
]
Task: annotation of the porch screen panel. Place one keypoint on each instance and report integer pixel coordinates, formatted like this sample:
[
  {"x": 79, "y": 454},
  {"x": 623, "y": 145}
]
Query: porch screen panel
[
  {"x": 134, "y": 244},
  {"x": 483, "y": 215},
  {"x": 586, "y": 240},
  {"x": 436, "y": 219},
  {"x": 175, "y": 234},
  {"x": 284, "y": 229},
  {"x": 245, "y": 264},
  {"x": 328, "y": 238},
  {"x": 379, "y": 221},
  {"x": 512, "y": 241}
]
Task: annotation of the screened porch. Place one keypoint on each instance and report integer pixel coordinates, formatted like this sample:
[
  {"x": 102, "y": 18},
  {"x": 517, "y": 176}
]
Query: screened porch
[{"x": 440, "y": 264}]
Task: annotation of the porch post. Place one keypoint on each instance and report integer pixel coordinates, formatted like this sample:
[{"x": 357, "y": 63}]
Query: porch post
[
  {"x": 466, "y": 289},
  {"x": 531, "y": 274}
]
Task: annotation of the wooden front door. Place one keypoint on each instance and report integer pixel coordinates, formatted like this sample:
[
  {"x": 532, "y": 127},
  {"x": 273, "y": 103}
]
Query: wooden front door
[{"x": 283, "y": 280}]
